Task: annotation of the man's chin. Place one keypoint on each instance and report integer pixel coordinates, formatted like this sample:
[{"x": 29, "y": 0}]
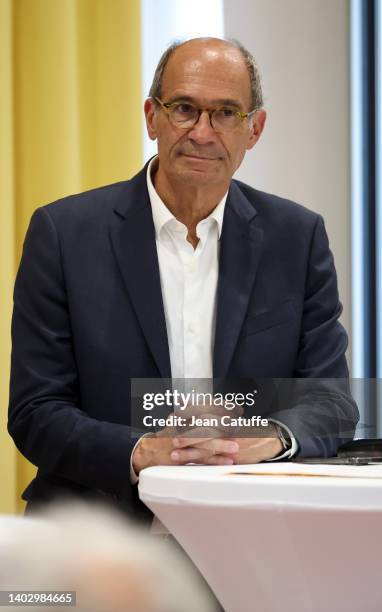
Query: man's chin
[
  {"x": 199, "y": 170},
  {"x": 191, "y": 176}
]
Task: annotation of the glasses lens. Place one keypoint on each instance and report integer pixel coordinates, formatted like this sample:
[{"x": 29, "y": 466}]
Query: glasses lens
[
  {"x": 225, "y": 119},
  {"x": 184, "y": 115}
]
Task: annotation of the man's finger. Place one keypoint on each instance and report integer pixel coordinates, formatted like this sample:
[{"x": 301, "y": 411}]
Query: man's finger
[
  {"x": 189, "y": 441},
  {"x": 194, "y": 435},
  {"x": 209, "y": 448},
  {"x": 199, "y": 456},
  {"x": 219, "y": 446},
  {"x": 219, "y": 460},
  {"x": 214, "y": 445},
  {"x": 189, "y": 455}
]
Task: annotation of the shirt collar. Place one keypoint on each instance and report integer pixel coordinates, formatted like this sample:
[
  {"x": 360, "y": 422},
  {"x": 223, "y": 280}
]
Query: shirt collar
[{"x": 161, "y": 214}]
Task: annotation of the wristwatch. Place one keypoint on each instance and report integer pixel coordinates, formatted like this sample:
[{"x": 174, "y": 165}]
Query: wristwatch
[{"x": 284, "y": 437}]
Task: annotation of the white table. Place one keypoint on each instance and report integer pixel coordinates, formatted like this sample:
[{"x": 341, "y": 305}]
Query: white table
[{"x": 277, "y": 537}]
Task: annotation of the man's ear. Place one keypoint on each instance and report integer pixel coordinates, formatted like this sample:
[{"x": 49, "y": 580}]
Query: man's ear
[
  {"x": 257, "y": 127},
  {"x": 150, "y": 116}
]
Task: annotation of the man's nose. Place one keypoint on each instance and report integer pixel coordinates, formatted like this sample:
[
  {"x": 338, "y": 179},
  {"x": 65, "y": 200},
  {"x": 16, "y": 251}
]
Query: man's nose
[{"x": 202, "y": 132}]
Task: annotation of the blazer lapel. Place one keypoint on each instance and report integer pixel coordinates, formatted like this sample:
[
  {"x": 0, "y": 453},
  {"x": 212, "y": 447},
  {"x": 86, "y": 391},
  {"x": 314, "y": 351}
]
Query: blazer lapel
[
  {"x": 240, "y": 249},
  {"x": 133, "y": 241}
]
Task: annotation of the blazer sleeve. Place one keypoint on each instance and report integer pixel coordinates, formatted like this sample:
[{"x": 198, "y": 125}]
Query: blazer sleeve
[
  {"x": 317, "y": 404},
  {"x": 45, "y": 417}
]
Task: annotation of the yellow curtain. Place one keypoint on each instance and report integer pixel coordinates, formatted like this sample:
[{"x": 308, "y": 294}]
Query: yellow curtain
[{"x": 70, "y": 120}]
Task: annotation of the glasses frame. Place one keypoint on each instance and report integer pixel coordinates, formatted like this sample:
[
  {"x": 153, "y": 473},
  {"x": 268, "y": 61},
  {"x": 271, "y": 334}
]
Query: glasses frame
[{"x": 168, "y": 106}]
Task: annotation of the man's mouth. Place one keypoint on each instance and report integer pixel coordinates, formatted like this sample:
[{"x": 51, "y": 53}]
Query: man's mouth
[{"x": 198, "y": 157}]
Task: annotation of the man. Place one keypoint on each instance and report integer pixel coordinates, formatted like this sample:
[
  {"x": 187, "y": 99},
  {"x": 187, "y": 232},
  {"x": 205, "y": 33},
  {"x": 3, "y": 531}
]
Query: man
[{"x": 180, "y": 272}]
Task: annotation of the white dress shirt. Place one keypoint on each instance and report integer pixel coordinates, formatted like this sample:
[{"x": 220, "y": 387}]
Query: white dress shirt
[{"x": 189, "y": 279}]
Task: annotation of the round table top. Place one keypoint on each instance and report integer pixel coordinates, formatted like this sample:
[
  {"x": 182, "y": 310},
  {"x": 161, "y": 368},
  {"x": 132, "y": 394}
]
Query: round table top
[{"x": 310, "y": 486}]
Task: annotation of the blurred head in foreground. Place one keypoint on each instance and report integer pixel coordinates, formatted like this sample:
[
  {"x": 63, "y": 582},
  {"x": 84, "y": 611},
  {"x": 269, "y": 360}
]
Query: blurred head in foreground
[{"x": 110, "y": 564}]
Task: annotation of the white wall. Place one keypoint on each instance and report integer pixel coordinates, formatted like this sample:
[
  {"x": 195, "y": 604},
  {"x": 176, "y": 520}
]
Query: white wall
[
  {"x": 162, "y": 22},
  {"x": 302, "y": 48}
]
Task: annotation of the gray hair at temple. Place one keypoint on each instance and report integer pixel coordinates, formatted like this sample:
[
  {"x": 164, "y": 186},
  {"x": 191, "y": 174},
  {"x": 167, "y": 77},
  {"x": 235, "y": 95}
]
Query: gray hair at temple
[{"x": 254, "y": 75}]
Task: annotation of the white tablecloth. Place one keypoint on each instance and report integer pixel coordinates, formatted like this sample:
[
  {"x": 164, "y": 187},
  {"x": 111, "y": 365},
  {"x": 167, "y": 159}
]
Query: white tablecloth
[{"x": 277, "y": 537}]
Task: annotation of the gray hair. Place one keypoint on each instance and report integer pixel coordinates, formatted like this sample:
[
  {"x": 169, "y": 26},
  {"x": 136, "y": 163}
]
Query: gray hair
[
  {"x": 254, "y": 75},
  {"x": 106, "y": 559}
]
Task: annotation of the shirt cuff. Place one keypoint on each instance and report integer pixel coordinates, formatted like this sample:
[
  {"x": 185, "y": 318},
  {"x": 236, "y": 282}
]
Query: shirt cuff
[
  {"x": 290, "y": 452},
  {"x": 134, "y": 478}
]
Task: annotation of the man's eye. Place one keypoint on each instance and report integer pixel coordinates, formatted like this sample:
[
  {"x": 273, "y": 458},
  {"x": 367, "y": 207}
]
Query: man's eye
[
  {"x": 228, "y": 112},
  {"x": 185, "y": 109}
]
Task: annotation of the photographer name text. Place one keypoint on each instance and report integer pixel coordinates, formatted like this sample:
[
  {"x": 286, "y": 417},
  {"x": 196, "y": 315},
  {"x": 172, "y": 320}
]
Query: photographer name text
[{"x": 174, "y": 420}]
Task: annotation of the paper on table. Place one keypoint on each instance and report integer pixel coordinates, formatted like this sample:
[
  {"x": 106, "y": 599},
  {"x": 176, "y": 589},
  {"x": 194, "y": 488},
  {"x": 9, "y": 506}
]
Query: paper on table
[{"x": 306, "y": 470}]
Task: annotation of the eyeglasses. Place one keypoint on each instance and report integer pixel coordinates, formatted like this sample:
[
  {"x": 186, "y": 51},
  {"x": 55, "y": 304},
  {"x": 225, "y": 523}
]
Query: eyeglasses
[{"x": 185, "y": 115}]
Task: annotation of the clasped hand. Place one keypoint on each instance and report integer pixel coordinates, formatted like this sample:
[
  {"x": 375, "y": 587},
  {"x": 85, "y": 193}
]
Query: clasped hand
[{"x": 208, "y": 445}]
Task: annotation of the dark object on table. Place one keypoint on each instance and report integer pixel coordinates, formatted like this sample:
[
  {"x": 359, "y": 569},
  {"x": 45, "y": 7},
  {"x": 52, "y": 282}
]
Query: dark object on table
[{"x": 355, "y": 452}]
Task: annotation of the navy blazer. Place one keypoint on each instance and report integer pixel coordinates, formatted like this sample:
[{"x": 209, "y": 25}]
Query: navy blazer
[{"x": 88, "y": 317}]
